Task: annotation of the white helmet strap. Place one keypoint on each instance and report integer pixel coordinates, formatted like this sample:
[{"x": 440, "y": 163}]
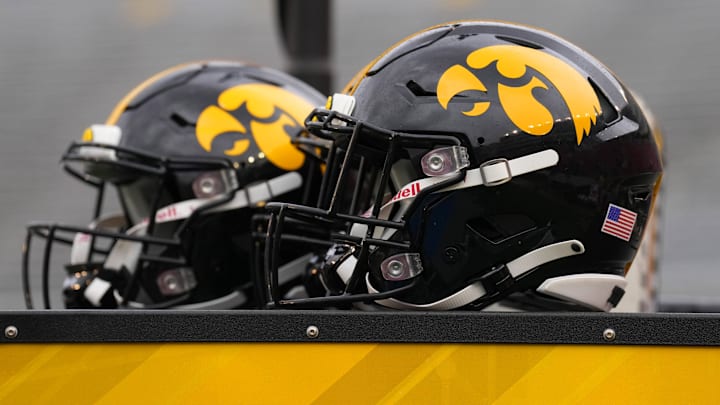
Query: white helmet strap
[
  {"x": 475, "y": 291},
  {"x": 597, "y": 291},
  {"x": 489, "y": 174},
  {"x": 125, "y": 253}
]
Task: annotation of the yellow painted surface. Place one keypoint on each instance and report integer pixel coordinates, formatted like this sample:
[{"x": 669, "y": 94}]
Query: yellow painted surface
[{"x": 303, "y": 373}]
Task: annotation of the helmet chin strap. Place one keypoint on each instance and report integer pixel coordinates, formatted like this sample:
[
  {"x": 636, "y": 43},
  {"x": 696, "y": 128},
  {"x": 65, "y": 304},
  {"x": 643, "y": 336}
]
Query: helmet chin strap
[
  {"x": 126, "y": 253},
  {"x": 596, "y": 291},
  {"x": 80, "y": 251}
]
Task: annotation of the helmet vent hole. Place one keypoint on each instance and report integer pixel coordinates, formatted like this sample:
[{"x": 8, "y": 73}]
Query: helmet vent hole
[
  {"x": 179, "y": 120},
  {"x": 480, "y": 140},
  {"x": 518, "y": 41},
  {"x": 264, "y": 79},
  {"x": 417, "y": 90},
  {"x": 640, "y": 195},
  {"x": 609, "y": 112}
]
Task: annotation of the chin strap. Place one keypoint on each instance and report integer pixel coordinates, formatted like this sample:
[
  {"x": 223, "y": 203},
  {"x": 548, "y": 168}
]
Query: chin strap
[
  {"x": 477, "y": 290},
  {"x": 232, "y": 300},
  {"x": 125, "y": 253},
  {"x": 80, "y": 250}
]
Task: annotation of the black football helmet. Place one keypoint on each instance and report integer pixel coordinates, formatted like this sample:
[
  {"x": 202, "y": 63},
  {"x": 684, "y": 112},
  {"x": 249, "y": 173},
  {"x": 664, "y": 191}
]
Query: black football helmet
[
  {"x": 474, "y": 161},
  {"x": 193, "y": 153}
]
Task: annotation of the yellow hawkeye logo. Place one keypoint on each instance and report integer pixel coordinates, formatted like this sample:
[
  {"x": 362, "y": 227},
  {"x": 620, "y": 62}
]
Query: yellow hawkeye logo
[
  {"x": 273, "y": 110},
  {"x": 527, "y": 113}
]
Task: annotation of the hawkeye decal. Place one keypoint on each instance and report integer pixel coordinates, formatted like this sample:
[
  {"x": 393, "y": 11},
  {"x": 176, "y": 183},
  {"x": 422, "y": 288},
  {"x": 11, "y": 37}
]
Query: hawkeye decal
[
  {"x": 274, "y": 114},
  {"x": 518, "y": 102}
]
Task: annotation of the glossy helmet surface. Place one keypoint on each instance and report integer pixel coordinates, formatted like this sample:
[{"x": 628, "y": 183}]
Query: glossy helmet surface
[
  {"x": 193, "y": 153},
  {"x": 475, "y": 160}
]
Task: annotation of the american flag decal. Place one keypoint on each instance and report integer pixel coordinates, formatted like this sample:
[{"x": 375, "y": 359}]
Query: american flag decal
[{"x": 619, "y": 222}]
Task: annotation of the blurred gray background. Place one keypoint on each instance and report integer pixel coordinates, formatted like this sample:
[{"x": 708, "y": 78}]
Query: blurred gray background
[{"x": 64, "y": 65}]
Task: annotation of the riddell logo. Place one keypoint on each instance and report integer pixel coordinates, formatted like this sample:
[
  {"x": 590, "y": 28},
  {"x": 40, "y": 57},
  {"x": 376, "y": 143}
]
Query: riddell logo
[
  {"x": 408, "y": 191},
  {"x": 518, "y": 102},
  {"x": 166, "y": 214}
]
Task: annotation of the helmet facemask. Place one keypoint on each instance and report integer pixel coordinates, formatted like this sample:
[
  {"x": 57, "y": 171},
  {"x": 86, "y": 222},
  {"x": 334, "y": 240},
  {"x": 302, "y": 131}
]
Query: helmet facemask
[
  {"x": 374, "y": 179},
  {"x": 135, "y": 246}
]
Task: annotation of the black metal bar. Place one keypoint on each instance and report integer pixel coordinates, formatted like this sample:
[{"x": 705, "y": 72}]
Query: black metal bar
[
  {"x": 99, "y": 200},
  {"x": 46, "y": 267},
  {"x": 358, "y": 186},
  {"x": 26, "y": 269},
  {"x": 344, "y": 170},
  {"x": 107, "y": 326},
  {"x": 36, "y": 229},
  {"x": 269, "y": 254},
  {"x": 387, "y": 166},
  {"x": 99, "y": 197},
  {"x": 327, "y": 178}
]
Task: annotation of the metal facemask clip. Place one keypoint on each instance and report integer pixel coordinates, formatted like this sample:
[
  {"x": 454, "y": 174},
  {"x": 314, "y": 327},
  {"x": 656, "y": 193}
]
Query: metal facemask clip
[
  {"x": 446, "y": 160},
  {"x": 213, "y": 183},
  {"x": 403, "y": 266},
  {"x": 176, "y": 281}
]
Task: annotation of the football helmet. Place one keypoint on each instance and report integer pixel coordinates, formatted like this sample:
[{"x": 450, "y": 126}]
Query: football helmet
[
  {"x": 473, "y": 161},
  {"x": 193, "y": 154}
]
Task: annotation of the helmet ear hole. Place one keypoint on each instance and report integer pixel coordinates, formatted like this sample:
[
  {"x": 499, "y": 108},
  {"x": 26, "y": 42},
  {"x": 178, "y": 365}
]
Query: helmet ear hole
[{"x": 499, "y": 228}]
